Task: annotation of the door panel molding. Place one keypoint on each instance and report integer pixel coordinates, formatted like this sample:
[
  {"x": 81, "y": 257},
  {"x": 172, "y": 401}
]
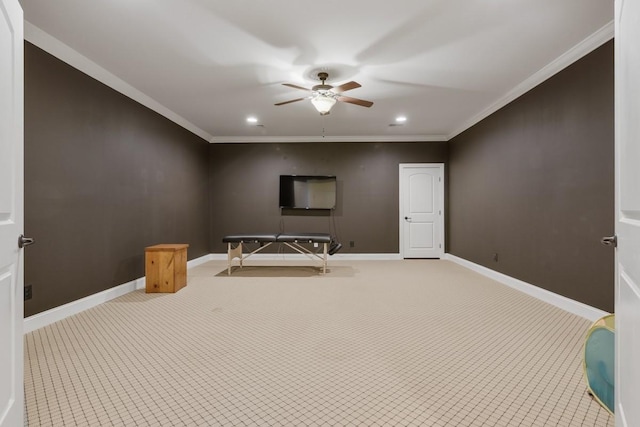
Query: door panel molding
[
  {"x": 627, "y": 193},
  {"x": 11, "y": 214}
]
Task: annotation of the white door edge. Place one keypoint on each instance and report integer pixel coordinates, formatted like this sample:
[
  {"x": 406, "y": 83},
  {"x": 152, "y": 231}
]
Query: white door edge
[
  {"x": 11, "y": 214},
  {"x": 627, "y": 210}
]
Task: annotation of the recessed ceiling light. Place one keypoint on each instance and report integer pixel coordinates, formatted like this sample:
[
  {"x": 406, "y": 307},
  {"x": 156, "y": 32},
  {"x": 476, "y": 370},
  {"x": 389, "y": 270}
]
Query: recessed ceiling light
[
  {"x": 252, "y": 120},
  {"x": 401, "y": 119}
]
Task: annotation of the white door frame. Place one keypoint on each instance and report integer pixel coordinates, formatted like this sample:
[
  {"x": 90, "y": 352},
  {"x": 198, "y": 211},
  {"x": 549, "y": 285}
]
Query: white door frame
[{"x": 401, "y": 197}]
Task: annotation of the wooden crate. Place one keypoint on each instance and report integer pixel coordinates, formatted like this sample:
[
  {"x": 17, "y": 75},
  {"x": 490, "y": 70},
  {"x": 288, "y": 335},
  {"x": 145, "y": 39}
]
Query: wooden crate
[{"x": 165, "y": 267}]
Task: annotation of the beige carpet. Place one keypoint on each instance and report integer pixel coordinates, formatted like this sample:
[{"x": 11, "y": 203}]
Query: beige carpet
[{"x": 377, "y": 343}]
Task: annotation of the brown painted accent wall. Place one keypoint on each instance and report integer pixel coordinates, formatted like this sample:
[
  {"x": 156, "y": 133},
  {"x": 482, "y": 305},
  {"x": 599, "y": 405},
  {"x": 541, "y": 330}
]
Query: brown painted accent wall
[
  {"x": 104, "y": 177},
  {"x": 534, "y": 183},
  {"x": 245, "y": 185}
]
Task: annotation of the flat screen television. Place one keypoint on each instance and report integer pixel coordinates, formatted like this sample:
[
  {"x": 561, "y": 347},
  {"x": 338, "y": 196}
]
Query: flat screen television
[{"x": 307, "y": 192}]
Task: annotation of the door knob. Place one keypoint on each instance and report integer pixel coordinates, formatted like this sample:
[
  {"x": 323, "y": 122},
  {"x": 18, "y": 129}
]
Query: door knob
[
  {"x": 25, "y": 241},
  {"x": 610, "y": 241},
  {"x": 407, "y": 218}
]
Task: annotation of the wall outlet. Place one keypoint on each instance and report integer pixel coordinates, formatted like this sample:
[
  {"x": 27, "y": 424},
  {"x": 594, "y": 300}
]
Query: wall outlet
[
  {"x": 28, "y": 292},
  {"x": 495, "y": 257},
  {"x": 352, "y": 244}
]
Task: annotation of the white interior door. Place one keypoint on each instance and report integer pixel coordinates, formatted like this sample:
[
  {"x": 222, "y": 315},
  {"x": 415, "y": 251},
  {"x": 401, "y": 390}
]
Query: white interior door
[
  {"x": 627, "y": 65},
  {"x": 421, "y": 210},
  {"x": 11, "y": 214}
]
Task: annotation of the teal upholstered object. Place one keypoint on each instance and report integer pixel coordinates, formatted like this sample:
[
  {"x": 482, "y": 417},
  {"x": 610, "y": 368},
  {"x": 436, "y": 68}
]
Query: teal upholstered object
[{"x": 599, "y": 361}]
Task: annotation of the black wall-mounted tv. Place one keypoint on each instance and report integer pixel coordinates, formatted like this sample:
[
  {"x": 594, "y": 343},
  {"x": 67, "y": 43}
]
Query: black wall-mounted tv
[{"x": 307, "y": 192}]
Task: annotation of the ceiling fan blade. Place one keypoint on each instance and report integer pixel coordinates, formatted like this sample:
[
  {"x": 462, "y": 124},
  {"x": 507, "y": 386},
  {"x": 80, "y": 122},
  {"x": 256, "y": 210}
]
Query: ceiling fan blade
[
  {"x": 356, "y": 101},
  {"x": 296, "y": 86},
  {"x": 345, "y": 87},
  {"x": 289, "y": 102}
]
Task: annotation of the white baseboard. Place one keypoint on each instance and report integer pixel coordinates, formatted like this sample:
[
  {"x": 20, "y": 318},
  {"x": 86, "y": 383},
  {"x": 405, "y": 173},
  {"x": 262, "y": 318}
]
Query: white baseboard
[
  {"x": 199, "y": 261},
  {"x": 365, "y": 257},
  {"x": 301, "y": 257},
  {"x": 48, "y": 317},
  {"x": 567, "y": 304}
]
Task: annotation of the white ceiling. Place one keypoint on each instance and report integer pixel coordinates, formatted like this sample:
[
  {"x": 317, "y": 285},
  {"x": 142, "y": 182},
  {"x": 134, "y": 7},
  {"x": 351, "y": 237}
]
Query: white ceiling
[{"x": 209, "y": 64}]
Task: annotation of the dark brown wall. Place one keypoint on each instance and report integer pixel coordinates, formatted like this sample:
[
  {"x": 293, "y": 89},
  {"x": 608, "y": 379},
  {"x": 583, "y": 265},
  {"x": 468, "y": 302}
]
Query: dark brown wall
[
  {"x": 534, "y": 183},
  {"x": 245, "y": 185},
  {"x": 104, "y": 177}
]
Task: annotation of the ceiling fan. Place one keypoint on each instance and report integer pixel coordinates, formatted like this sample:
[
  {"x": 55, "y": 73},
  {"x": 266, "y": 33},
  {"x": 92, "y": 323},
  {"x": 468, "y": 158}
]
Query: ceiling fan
[{"x": 324, "y": 96}]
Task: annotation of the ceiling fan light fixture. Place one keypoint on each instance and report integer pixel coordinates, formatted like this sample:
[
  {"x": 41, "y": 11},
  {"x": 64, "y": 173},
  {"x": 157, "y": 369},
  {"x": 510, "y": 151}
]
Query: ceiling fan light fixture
[
  {"x": 324, "y": 96},
  {"x": 323, "y": 103}
]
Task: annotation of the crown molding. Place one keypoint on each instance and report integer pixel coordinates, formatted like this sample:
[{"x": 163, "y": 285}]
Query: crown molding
[
  {"x": 70, "y": 56},
  {"x": 55, "y": 47},
  {"x": 586, "y": 46},
  {"x": 358, "y": 138}
]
